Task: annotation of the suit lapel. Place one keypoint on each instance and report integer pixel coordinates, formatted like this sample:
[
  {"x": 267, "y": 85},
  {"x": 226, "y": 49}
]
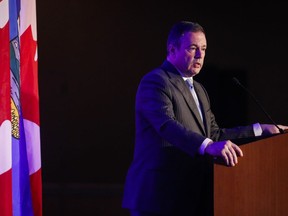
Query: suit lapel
[
  {"x": 180, "y": 84},
  {"x": 204, "y": 106}
]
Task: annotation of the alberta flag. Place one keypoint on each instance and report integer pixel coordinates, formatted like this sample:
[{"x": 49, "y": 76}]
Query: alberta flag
[{"x": 20, "y": 153}]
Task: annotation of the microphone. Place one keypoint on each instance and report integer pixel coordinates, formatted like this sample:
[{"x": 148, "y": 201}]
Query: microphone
[{"x": 257, "y": 102}]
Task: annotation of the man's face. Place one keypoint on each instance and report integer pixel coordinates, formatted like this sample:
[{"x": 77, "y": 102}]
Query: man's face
[{"x": 189, "y": 57}]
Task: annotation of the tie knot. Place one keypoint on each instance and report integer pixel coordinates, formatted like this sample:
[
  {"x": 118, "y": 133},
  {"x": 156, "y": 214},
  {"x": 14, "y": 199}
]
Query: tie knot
[{"x": 189, "y": 82}]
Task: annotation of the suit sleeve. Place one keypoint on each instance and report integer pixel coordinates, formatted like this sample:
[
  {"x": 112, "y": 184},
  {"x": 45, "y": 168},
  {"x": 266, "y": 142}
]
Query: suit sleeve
[
  {"x": 155, "y": 105},
  {"x": 217, "y": 133}
]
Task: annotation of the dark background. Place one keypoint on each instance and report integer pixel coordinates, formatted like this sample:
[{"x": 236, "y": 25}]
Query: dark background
[{"x": 92, "y": 55}]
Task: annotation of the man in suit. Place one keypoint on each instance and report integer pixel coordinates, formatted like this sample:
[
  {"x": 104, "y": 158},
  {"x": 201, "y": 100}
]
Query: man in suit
[{"x": 177, "y": 134}]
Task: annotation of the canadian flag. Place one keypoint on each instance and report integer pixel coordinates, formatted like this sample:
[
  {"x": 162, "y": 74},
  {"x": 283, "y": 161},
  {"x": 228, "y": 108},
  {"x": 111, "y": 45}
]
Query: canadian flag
[{"x": 20, "y": 152}]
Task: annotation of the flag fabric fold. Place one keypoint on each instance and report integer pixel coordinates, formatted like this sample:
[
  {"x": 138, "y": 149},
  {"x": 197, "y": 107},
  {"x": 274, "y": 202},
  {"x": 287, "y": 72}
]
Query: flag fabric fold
[{"x": 20, "y": 152}]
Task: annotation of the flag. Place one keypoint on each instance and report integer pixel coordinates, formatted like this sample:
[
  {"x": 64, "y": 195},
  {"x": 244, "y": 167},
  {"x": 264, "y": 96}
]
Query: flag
[
  {"x": 5, "y": 114},
  {"x": 20, "y": 167}
]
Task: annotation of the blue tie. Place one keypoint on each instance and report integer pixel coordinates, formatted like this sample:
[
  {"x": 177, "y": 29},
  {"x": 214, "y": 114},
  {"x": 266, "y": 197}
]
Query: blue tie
[{"x": 192, "y": 90}]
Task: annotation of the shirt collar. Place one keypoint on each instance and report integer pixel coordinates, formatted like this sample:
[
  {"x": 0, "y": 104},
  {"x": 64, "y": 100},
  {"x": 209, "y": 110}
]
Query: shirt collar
[
  {"x": 190, "y": 78},
  {"x": 185, "y": 78}
]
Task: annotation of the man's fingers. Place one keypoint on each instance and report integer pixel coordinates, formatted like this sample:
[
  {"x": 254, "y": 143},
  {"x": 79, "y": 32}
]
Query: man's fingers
[
  {"x": 225, "y": 149},
  {"x": 238, "y": 150},
  {"x": 232, "y": 157},
  {"x": 230, "y": 154},
  {"x": 225, "y": 158},
  {"x": 233, "y": 154}
]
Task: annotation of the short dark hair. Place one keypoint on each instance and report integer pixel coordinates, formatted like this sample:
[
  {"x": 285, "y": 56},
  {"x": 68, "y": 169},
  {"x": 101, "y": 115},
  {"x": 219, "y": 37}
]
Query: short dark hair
[{"x": 179, "y": 29}]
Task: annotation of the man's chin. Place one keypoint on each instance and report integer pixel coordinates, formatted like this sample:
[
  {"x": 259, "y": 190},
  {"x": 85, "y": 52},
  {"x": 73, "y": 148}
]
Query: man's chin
[{"x": 195, "y": 72}]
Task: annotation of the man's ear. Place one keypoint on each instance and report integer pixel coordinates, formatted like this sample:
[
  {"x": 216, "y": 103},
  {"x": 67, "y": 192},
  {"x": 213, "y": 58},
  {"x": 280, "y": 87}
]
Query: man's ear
[{"x": 171, "y": 49}]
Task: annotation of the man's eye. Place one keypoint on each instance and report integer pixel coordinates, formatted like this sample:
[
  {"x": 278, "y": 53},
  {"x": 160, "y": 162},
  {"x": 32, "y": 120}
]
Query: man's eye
[{"x": 192, "y": 48}]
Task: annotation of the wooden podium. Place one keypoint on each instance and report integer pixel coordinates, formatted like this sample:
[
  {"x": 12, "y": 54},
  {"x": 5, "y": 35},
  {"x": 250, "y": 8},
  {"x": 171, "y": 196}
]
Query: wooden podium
[{"x": 258, "y": 184}]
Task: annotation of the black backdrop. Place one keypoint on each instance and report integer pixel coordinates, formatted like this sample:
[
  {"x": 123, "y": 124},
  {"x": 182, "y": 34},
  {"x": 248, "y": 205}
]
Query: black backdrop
[{"x": 92, "y": 55}]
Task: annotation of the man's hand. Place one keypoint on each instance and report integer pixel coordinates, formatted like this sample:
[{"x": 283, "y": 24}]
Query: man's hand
[
  {"x": 272, "y": 129},
  {"x": 225, "y": 149}
]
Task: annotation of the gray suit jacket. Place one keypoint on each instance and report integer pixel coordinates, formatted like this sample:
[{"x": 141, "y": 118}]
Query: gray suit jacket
[{"x": 167, "y": 174}]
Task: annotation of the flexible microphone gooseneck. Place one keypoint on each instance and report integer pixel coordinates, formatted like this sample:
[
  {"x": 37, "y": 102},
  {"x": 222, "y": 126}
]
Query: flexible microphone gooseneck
[{"x": 257, "y": 102}]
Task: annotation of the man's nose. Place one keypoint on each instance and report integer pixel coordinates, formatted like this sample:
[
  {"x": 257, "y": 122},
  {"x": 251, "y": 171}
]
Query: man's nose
[{"x": 198, "y": 53}]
